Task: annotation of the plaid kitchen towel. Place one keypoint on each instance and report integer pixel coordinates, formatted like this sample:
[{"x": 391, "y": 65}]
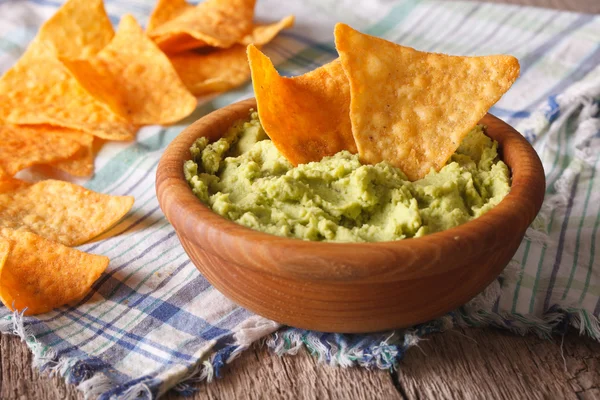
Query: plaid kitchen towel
[{"x": 152, "y": 322}]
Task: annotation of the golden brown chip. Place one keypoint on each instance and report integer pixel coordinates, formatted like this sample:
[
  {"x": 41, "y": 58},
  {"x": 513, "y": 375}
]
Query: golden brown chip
[
  {"x": 213, "y": 71},
  {"x": 165, "y": 11},
  {"x": 264, "y": 33},
  {"x": 79, "y": 29},
  {"x": 38, "y": 89},
  {"x": 141, "y": 75},
  {"x": 412, "y": 108},
  {"x": 61, "y": 211},
  {"x": 218, "y": 70},
  {"x": 306, "y": 117},
  {"x": 217, "y": 23},
  {"x": 24, "y": 146},
  {"x": 100, "y": 84},
  {"x": 80, "y": 164},
  {"x": 39, "y": 275}
]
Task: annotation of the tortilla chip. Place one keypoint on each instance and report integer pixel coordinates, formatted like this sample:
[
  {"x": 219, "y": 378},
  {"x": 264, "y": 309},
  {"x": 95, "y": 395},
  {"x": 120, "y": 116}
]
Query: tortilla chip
[
  {"x": 38, "y": 89},
  {"x": 219, "y": 70},
  {"x": 61, "y": 211},
  {"x": 213, "y": 71},
  {"x": 217, "y": 23},
  {"x": 79, "y": 29},
  {"x": 99, "y": 84},
  {"x": 411, "y": 108},
  {"x": 24, "y": 146},
  {"x": 165, "y": 11},
  {"x": 306, "y": 117},
  {"x": 39, "y": 275},
  {"x": 140, "y": 74},
  {"x": 264, "y": 33},
  {"x": 80, "y": 164}
]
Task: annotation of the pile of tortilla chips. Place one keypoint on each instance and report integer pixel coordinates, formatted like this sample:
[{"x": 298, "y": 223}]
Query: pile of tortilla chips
[
  {"x": 381, "y": 100},
  {"x": 78, "y": 84},
  {"x": 207, "y": 43},
  {"x": 38, "y": 221}
]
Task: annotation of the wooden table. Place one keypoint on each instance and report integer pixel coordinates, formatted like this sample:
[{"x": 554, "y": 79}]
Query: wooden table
[{"x": 472, "y": 363}]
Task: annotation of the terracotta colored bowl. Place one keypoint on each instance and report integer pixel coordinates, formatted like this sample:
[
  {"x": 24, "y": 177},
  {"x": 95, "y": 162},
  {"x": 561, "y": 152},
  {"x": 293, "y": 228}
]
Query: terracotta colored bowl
[{"x": 349, "y": 287}]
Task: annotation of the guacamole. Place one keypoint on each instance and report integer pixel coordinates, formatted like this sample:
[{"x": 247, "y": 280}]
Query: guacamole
[{"x": 244, "y": 178}]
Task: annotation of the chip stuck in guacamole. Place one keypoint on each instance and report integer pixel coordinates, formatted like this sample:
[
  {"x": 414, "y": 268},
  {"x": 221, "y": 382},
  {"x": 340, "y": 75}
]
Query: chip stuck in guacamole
[
  {"x": 380, "y": 144},
  {"x": 244, "y": 178}
]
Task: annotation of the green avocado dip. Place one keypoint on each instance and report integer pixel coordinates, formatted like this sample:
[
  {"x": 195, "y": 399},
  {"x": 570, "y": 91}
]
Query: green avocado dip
[{"x": 243, "y": 177}]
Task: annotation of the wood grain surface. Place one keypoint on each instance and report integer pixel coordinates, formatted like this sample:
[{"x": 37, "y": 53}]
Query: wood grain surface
[{"x": 463, "y": 364}]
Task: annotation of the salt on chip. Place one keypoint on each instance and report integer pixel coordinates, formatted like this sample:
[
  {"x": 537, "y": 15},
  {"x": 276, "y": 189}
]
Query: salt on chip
[
  {"x": 80, "y": 164},
  {"x": 218, "y": 70},
  {"x": 411, "y": 108},
  {"x": 39, "y": 275},
  {"x": 217, "y": 23},
  {"x": 39, "y": 89},
  {"x": 306, "y": 116},
  {"x": 24, "y": 146},
  {"x": 141, "y": 74},
  {"x": 61, "y": 211},
  {"x": 79, "y": 29}
]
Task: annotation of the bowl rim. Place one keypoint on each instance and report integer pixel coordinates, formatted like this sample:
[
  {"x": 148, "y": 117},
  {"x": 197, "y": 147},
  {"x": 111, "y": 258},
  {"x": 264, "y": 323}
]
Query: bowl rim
[{"x": 518, "y": 207}]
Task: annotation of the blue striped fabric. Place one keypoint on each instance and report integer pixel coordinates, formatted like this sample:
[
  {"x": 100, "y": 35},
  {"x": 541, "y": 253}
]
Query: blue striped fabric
[{"x": 152, "y": 322}]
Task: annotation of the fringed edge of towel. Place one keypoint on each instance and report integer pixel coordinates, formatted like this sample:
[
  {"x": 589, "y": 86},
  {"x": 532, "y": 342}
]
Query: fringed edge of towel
[
  {"x": 387, "y": 351},
  {"x": 101, "y": 387}
]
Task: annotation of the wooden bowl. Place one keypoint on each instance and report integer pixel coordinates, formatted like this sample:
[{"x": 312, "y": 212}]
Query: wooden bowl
[{"x": 349, "y": 287}]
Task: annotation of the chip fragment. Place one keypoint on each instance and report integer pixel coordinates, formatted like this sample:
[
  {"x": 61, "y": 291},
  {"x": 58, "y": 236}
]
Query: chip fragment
[
  {"x": 411, "y": 108},
  {"x": 218, "y": 23},
  {"x": 219, "y": 70},
  {"x": 39, "y": 89},
  {"x": 24, "y": 146},
  {"x": 61, "y": 211},
  {"x": 39, "y": 275},
  {"x": 79, "y": 29},
  {"x": 306, "y": 116}
]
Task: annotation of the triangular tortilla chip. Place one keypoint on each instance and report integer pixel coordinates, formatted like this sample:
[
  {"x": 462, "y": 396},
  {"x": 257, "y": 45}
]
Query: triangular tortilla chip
[
  {"x": 306, "y": 116},
  {"x": 411, "y": 108},
  {"x": 40, "y": 275},
  {"x": 24, "y": 146},
  {"x": 79, "y": 29},
  {"x": 139, "y": 74},
  {"x": 218, "y": 70},
  {"x": 38, "y": 89},
  {"x": 213, "y": 71},
  {"x": 61, "y": 211},
  {"x": 217, "y": 23}
]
